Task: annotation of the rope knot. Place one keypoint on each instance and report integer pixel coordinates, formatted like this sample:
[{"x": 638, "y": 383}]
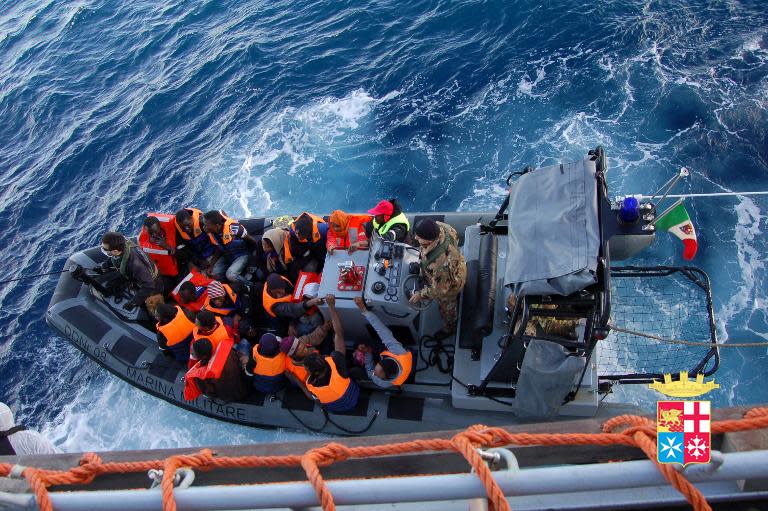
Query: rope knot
[
  {"x": 477, "y": 435},
  {"x": 89, "y": 466},
  {"x": 328, "y": 454},
  {"x": 494, "y": 437}
]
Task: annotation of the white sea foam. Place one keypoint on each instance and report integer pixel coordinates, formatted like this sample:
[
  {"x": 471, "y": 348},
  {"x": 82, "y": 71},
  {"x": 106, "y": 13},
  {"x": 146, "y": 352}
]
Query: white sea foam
[
  {"x": 287, "y": 143},
  {"x": 526, "y": 84},
  {"x": 109, "y": 414},
  {"x": 331, "y": 117},
  {"x": 485, "y": 196},
  {"x": 750, "y": 260}
]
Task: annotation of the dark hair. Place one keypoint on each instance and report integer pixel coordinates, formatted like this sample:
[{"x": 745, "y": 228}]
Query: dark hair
[
  {"x": 396, "y": 209},
  {"x": 390, "y": 366},
  {"x": 214, "y": 217},
  {"x": 314, "y": 363},
  {"x": 187, "y": 287},
  {"x": 165, "y": 312},
  {"x": 275, "y": 281},
  {"x": 182, "y": 215},
  {"x": 203, "y": 349},
  {"x": 113, "y": 240},
  {"x": 303, "y": 226},
  {"x": 150, "y": 221},
  {"x": 207, "y": 319}
]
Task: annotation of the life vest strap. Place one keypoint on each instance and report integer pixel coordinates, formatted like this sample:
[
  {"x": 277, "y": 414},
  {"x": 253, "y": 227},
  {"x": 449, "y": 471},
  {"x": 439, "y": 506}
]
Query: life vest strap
[{"x": 11, "y": 431}]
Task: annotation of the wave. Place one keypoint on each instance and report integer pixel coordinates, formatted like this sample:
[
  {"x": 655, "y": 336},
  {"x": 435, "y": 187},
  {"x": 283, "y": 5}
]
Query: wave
[{"x": 112, "y": 415}]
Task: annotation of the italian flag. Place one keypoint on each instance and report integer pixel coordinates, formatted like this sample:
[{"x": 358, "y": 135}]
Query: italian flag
[{"x": 679, "y": 223}]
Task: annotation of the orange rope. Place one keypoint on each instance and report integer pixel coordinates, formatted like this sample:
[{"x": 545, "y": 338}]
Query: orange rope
[{"x": 637, "y": 432}]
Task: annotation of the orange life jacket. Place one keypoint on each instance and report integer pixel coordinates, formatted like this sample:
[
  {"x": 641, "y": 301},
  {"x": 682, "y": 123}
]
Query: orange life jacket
[
  {"x": 287, "y": 256},
  {"x": 226, "y": 231},
  {"x": 355, "y": 232},
  {"x": 219, "y": 334},
  {"x": 221, "y": 312},
  {"x": 197, "y": 229},
  {"x": 178, "y": 329},
  {"x": 297, "y": 369},
  {"x": 211, "y": 370},
  {"x": 406, "y": 364},
  {"x": 165, "y": 262},
  {"x": 198, "y": 280},
  {"x": 335, "y": 389},
  {"x": 298, "y": 291},
  {"x": 266, "y": 366}
]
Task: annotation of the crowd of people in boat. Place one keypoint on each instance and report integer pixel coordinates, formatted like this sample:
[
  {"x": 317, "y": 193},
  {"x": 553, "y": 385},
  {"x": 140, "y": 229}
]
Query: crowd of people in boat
[{"x": 213, "y": 287}]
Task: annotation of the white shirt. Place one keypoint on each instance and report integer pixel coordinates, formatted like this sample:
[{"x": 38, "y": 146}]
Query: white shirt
[{"x": 31, "y": 442}]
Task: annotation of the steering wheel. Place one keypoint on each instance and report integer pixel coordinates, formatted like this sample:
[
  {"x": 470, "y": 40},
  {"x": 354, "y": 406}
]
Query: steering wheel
[{"x": 410, "y": 285}]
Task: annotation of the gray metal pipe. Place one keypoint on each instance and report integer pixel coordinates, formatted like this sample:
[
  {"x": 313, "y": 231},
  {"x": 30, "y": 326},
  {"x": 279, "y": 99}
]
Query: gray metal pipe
[{"x": 532, "y": 481}]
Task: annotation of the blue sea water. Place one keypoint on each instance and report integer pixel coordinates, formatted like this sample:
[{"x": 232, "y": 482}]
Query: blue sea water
[{"x": 111, "y": 109}]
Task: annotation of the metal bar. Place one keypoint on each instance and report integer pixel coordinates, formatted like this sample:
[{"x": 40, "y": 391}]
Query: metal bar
[
  {"x": 630, "y": 498},
  {"x": 534, "y": 481},
  {"x": 665, "y": 185},
  {"x": 683, "y": 173},
  {"x": 694, "y": 195},
  {"x": 674, "y": 205}
]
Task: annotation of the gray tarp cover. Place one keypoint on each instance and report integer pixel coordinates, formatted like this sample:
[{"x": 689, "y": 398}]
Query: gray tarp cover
[
  {"x": 553, "y": 230},
  {"x": 546, "y": 377}
]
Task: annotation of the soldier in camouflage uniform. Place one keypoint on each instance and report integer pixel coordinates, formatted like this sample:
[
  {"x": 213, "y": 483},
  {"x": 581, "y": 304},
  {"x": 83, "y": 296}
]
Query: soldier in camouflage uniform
[{"x": 443, "y": 268}]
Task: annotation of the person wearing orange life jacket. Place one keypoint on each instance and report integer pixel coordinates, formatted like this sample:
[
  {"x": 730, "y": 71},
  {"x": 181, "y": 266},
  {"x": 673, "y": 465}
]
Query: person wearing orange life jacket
[
  {"x": 208, "y": 325},
  {"x": 158, "y": 240},
  {"x": 388, "y": 221},
  {"x": 283, "y": 301},
  {"x": 267, "y": 365},
  {"x": 297, "y": 348},
  {"x": 224, "y": 302},
  {"x": 194, "y": 243},
  {"x": 233, "y": 247},
  {"x": 192, "y": 292},
  {"x": 304, "y": 247},
  {"x": 396, "y": 362},
  {"x": 270, "y": 254},
  {"x": 347, "y": 231},
  {"x": 295, "y": 351},
  {"x": 328, "y": 377},
  {"x": 174, "y": 331},
  {"x": 217, "y": 373},
  {"x": 230, "y": 306}
]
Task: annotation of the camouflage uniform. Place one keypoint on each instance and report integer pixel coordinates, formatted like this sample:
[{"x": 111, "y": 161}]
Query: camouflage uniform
[{"x": 445, "y": 274}]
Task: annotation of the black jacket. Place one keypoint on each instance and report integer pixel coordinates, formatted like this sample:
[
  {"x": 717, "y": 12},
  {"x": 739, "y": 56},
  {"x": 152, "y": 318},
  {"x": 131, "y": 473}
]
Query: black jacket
[{"x": 140, "y": 271}]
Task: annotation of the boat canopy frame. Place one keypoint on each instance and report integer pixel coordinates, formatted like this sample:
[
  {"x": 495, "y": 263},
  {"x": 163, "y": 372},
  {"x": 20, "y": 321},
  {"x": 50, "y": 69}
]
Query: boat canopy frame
[{"x": 592, "y": 303}]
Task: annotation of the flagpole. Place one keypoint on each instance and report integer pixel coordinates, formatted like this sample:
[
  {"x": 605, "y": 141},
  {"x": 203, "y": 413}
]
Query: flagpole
[
  {"x": 683, "y": 173},
  {"x": 659, "y": 217}
]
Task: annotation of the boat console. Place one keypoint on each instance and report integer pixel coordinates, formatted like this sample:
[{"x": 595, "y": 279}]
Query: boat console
[
  {"x": 392, "y": 277},
  {"x": 390, "y": 274}
]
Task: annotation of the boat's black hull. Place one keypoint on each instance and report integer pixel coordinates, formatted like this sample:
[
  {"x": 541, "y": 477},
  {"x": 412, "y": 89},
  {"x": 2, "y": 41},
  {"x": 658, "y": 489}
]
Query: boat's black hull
[{"x": 129, "y": 351}]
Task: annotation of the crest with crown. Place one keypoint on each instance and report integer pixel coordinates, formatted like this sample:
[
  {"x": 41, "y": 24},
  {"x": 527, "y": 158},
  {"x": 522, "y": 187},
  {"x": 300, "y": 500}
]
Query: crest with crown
[{"x": 684, "y": 387}]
